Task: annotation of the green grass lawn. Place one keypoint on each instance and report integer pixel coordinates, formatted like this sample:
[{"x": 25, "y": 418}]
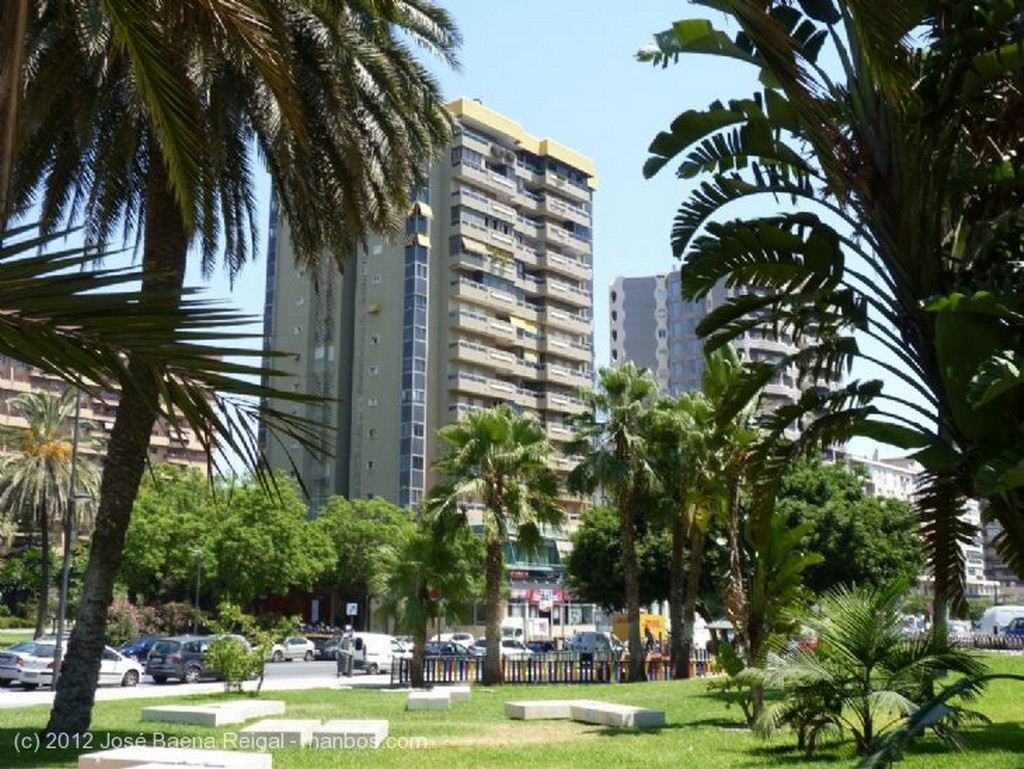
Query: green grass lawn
[{"x": 702, "y": 731}]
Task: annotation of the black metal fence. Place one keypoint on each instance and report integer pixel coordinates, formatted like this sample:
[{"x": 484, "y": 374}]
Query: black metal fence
[{"x": 550, "y": 668}]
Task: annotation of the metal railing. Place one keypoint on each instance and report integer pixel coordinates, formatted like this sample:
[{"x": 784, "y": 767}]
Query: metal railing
[{"x": 550, "y": 668}]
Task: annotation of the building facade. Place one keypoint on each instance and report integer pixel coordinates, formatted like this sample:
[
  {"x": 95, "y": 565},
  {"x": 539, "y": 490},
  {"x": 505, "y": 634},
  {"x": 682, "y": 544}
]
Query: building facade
[
  {"x": 653, "y": 326},
  {"x": 487, "y": 298}
]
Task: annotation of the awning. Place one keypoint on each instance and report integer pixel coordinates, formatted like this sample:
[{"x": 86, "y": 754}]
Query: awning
[
  {"x": 423, "y": 210},
  {"x": 474, "y": 246},
  {"x": 525, "y": 325}
]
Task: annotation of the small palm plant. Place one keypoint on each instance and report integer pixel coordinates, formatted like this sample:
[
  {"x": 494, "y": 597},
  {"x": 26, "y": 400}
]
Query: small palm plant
[{"x": 865, "y": 674}]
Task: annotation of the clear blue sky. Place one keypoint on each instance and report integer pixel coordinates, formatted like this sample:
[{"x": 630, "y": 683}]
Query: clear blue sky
[{"x": 566, "y": 70}]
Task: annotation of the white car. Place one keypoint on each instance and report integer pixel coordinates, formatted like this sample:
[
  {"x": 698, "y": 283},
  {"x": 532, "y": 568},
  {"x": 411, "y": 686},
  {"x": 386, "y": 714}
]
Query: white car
[
  {"x": 115, "y": 668},
  {"x": 295, "y": 648}
]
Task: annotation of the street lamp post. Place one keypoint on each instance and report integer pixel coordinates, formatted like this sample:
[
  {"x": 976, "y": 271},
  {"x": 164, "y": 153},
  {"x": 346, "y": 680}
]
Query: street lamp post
[
  {"x": 199, "y": 570},
  {"x": 69, "y": 522}
]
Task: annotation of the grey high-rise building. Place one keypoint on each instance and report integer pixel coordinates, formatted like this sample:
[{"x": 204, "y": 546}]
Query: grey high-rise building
[
  {"x": 653, "y": 326},
  {"x": 487, "y": 299}
]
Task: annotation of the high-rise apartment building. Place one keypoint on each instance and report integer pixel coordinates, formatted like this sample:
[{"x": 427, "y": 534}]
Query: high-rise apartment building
[
  {"x": 486, "y": 299},
  {"x": 653, "y": 326}
]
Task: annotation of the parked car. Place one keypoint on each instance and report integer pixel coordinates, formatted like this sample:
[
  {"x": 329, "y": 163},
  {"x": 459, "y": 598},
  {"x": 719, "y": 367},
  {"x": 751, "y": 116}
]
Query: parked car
[
  {"x": 116, "y": 669},
  {"x": 376, "y": 652},
  {"x": 447, "y": 649},
  {"x": 41, "y": 658},
  {"x": 995, "y": 619},
  {"x": 12, "y": 659},
  {"x": 294, "y": 648},
  {"x": 541, "y": 647},
  {"x": 139, "y": 648},
  {"x": 1016, "y": 627},
  {"x": 592, "y": 642},
  {"x": 512, "y": 647},
  {"x": 181, "y": 657}
]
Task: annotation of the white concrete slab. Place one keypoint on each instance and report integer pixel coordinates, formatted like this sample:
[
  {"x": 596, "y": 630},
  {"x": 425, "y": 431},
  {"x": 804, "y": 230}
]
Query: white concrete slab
[
  {"x": 618, "y": 716},
  {"x": 274, "y": 733},
  {"x": 214, "y": 713},
  {"x": 432, "y": 700},
  {"x": 536, "y": 710},
  {"x": 347, "y": 734},
  {"x": 457, "y": 693},
  {"x": 141, "y": 755}
]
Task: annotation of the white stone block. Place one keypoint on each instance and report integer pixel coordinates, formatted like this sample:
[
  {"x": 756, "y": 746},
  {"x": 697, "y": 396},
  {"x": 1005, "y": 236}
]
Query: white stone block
[
  {"x": 618, "y": 716},
  {"x": 274, "y": 733},
  {"x": 535, "y": 710},
  {"x": 346, "y": 734},
  {"x": 214, "y": 713},
  {"x": 432, "y": 700},
  {"x": 188, "y": 758},
  {"x": 455, "y": 693}
]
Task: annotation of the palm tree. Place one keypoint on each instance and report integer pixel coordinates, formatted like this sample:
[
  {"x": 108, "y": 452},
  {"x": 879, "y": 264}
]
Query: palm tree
[
  {"x": 38, "y": 474},
  {"x": 340, "y": 110},
  {"x": 612, "y": 440},
  {"x": 865, "y": 674},
  {"x": 902, "y": 164},
  {"x": 500, "y": 460},
  {"x": 432, "y": 579},
  {"x": 699, "y": 459}
]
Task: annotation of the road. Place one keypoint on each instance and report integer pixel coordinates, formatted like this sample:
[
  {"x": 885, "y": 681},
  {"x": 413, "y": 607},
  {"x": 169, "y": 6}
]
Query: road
[{"x": 279, "y": 676}]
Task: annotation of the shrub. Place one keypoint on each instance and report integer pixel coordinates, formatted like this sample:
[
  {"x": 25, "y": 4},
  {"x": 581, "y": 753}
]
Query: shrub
[
  {"x": 236, "y": 661},
  {"x": 123, "y": 622}
]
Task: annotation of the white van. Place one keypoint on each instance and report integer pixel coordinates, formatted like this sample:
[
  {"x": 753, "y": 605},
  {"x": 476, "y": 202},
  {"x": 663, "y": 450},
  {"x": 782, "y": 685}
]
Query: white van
[
  {"x": 375, "y": 652},
  {"x": 995, "y": 618}
]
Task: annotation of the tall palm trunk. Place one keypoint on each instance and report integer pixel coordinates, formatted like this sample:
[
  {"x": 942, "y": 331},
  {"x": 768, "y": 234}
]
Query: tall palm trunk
[
  {"x": 13, "y": 26},
  {"x": 164, "y": 258},
  {"x": 697, "y": 537},
  {"x": 42, "y": 611},
  {"x": 419, "y": 644},
  {"x": 493, "y": 576},
  {"x": 676, "y": 597},
  {"x": 631, "y": 579}
]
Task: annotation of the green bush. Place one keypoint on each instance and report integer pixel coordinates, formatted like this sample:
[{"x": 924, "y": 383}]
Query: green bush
[{"x": 236, "y": 661}]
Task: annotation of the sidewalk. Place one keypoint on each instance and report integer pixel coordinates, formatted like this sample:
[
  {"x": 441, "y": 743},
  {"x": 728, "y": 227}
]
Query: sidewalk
[{"x": 14, "y": 697}]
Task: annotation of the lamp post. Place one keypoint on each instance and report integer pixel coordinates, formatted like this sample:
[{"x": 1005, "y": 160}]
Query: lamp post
[
  {"x": 199, "y": 571},
  {"x": 69, "y": 522}
]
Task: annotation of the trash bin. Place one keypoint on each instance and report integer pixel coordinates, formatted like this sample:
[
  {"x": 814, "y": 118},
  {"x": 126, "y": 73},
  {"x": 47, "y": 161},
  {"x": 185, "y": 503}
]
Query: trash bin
[{"x": 345, "y": 658}]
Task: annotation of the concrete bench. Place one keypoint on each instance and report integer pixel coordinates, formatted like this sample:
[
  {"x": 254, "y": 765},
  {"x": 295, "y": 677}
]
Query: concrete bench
[
  {"x": 535, "y": 710},
  {"x": 273, "y": 733},
  {"x": 618, "y": 716},
  {"x": 435, "y": 699},
  {"x": 455, "y": 693},
  {"x": 214, "y": 713},
  {"x": 141, "y": 755},
  {"x": 350, "y": 733}
]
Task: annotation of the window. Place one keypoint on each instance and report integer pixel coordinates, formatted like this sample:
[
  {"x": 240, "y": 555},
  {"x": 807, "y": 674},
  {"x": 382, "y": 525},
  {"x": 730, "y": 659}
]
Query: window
[
  {"x": 372, "y": 432},
  {"x": 376, "y": 279},
  {"x": 371, "y": 401},
  {"x": 374, "y": 340},
  {"x": 370, "y": 464},
  {"x": 374, "y": 370}
]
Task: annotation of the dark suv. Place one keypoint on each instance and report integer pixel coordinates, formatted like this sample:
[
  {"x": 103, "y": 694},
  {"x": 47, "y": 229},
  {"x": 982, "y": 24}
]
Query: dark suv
[{"x": 180, "y": 657}]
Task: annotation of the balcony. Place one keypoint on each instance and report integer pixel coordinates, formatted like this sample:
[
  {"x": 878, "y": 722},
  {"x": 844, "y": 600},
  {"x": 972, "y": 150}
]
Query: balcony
[
  {"x": 566, "y": 321},
  {"x": 501, "y": 186},
  {"x": 564, "y": 292},
  {"x": 565, "y": 376},
  {"x": 556, "y": 431},
  {"x": 567, "y": 188},
  {"x": 561, "y": 403},
  {"x": 552, "y": 261},
  {"x": 480, "y": 323},
  {"x": 477, "y": 384},
  {"x": 559, "y": 209},
  {"x": 566, "y": 348}
]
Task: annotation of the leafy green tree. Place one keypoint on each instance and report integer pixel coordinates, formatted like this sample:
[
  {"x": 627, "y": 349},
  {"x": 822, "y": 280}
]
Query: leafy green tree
[
  {"x": 173, "y": 111},
  {"x": 265, "y": 543},
  {"x": 367, "y": 536},
  {"x": 865, "y": 675},
  {"x": 594, "y": 567},
  {"x": 895, "y": 180},
  {"x": 501, "y": 460},
  {"x": 175, "y": 522},
  {"x": 41, "y": 476},
  {"x": 432, "y": 579},
  {"x": 612, "y": 440},
  {"x": 864, "y": 540}
]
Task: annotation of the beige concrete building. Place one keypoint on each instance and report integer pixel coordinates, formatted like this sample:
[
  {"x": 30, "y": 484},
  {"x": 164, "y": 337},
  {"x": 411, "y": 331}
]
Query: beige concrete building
[
  {"x": 487, "y": 299},
  {"x": 176, "y": 447}
]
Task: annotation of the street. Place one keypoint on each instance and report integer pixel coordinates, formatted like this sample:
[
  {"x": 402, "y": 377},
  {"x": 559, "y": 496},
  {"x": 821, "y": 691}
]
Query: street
[{"x": 279, "y": 676}]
